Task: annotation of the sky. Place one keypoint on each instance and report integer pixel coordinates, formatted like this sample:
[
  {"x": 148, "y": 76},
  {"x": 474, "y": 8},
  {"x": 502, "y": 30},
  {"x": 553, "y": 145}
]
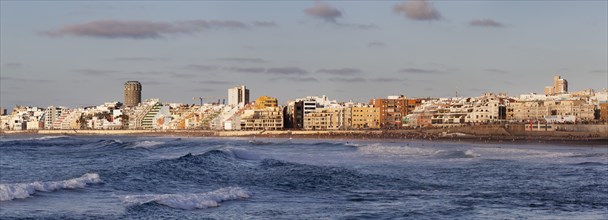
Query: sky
[{"x": 80, "y": 53}]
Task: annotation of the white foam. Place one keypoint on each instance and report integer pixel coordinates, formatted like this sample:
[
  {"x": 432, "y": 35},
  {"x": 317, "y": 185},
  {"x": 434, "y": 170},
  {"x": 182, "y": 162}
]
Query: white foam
[
  {"x": 395, "y": 150},
  {"x": 191, "y": 200},
  {"x": 457, "y": 153},
  {"x": 23, "y": 190},
  {"x": 526, "y": 153},
  {"x": 147, "y": 144},
  {"x": 49, "y": 137}
]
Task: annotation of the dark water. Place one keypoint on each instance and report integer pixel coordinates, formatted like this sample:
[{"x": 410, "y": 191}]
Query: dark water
[{"x": 194, "y": 178}]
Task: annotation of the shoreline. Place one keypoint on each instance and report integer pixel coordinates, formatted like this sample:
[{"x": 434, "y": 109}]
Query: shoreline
[{"x": 438, "y": 135}]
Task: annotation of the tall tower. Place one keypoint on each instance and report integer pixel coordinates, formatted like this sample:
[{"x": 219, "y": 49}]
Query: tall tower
[
  {"x": 238, "y": 96},
  {"x": 132, "y": 93}
]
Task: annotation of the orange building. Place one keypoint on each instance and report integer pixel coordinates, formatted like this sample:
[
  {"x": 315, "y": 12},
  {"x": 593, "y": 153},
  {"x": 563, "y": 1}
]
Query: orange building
[{"x": 604, "y": 111}]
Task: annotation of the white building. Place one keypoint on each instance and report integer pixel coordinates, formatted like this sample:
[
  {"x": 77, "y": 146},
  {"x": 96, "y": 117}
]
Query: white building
[{"x": 238, "y": 96}]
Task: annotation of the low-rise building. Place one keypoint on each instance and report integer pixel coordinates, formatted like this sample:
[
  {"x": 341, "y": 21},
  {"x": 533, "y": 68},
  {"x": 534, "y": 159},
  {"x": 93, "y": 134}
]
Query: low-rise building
[{"x": 268, "y": 118}]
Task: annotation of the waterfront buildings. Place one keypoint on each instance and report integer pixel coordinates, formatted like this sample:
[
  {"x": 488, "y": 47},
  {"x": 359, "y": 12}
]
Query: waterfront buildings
[
  {"x": 392, "y": 110},
  {"x": 604, "y": 111},
  {"x": 266, "y": 102},
  {"x": 132, "y": 93},
  {"x": 269, "y": 118},
  {"x": 560, "y": 86},
  {"x": 238, "y": 96}
]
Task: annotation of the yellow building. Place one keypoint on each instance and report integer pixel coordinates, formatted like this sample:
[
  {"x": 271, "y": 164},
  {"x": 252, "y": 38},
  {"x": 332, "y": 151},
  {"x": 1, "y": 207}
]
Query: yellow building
[
  {"x": 265, "y": 101},
  {"x": 364, "y": 117}
]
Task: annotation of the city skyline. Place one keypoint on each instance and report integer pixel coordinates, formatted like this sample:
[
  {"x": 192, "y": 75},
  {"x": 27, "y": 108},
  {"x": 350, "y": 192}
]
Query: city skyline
[{"x": 287, "y": 50}]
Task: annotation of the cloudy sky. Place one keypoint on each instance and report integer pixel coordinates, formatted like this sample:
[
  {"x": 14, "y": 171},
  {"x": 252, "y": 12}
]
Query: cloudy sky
[{"x": 80, "y": 53}]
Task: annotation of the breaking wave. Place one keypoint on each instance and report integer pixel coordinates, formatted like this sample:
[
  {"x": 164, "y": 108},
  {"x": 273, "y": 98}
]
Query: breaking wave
[
  {"x": 378, "y": 149},
  {"x": 23, "y": 190},
  {"x": 191, "y": 200},
  {"x": 146, "y": 144},
  {"x": 395, "y": 150},
  {"x": 457, "y": 154}
]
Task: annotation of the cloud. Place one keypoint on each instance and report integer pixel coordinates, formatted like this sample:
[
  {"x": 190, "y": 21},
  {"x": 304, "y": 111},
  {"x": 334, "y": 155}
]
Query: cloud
[
  {"x": 140, "y": 29},
  {"x": 23, "y": 80},
  {"x": 129, "y": 59},
  {"x": 216, "y": 82},
  {"x": 420, "y": 71},
  {"x": 242, "y": 60},
  {"x": 151, "y": 82},
  {"x": 341, "y": 72},
  {"x": 203, "y": 90},
  {"x": 420, "y": 10},
  {"x": 498, "y": 71},
  {"x": 295, "y": 79},
  {"x": 264, "y": 24},
  {"x": 154, "y": 73},
  {"x": 485, "y": 23},
  {"x": 287, "y": 71},
  {"x": 13, "y": 65},
  {"x": 343, "y": 79},
  {"x": 183, "y": 75},
  {"x": 386, "y": 80},
  {"x": 358, "y": 26},
  {"x": 324, "y": 11},
  {"x": 598, "y": 71},
  {"x": 248, "y": 70},
  {"x": 199, "y": 67},
  {"x": 94, "y": 72},
  {"x": 376, "y": 44}
]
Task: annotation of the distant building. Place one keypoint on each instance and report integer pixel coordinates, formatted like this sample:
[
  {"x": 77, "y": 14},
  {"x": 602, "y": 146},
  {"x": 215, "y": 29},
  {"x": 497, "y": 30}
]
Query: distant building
[
  {"x": 393, "y": 109},
  {"x": 269, "y": 118},
  {"x": 604, "y": 111},
  {"x": 132, "y": 93},
  {"x": 238, "y": 96},
  {"x": 363, "y": 117},
  {"x": 265, "y": 102},
  {"x": 296, "y": 111},
  {"x": 560, "y": 86}
]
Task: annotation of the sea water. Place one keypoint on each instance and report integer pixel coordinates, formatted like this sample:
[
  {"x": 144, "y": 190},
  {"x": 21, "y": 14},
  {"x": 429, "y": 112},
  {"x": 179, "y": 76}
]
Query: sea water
[{"x": 118, "y": 177}]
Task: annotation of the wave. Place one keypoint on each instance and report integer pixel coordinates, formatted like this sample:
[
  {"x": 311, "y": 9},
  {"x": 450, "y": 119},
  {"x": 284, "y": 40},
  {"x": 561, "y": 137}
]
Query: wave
[
  {"x": 49, "y": 137},
  {"x": 23, "y": 190},
  {"x": 191, "y": 200},
  {"x": 43, "y": 138},
  {"x": 590, "y": 164},
  {"x": 396, "y": 150},
  {"x": 591, "y": 155},
  {"x": 415, "y": 151},
  {"x": 527, "y": 153},
  {"x": 457, "y": 154},
  {"x": 146, "y": 144},
  {"x": 231, "y": 152}
]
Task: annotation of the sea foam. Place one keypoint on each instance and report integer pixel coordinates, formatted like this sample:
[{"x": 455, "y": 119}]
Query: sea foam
[
  {"x": 191, "y": 200},
  {"x": 12, "y": 191}
]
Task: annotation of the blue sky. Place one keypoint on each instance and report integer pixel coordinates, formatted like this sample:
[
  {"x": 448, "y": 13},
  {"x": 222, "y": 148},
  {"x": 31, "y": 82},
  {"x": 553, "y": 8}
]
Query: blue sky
[{"x": 80, "y": 53}]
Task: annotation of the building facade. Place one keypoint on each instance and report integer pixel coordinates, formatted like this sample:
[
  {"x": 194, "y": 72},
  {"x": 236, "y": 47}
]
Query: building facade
[
  {"x": 560, "y": 86},
  {"x": 238, "y": 96},
  {"x": 132, "y": 93},
  {"x": 270, "y": 118},
  {"x": 392, "y": 111}
]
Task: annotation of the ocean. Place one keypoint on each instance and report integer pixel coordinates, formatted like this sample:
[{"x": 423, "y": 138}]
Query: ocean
[{"x": 126, "y": 177}]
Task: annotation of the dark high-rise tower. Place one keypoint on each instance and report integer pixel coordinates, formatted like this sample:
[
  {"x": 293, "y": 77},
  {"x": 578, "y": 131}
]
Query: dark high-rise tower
[{"x": 132, "y": 93}]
